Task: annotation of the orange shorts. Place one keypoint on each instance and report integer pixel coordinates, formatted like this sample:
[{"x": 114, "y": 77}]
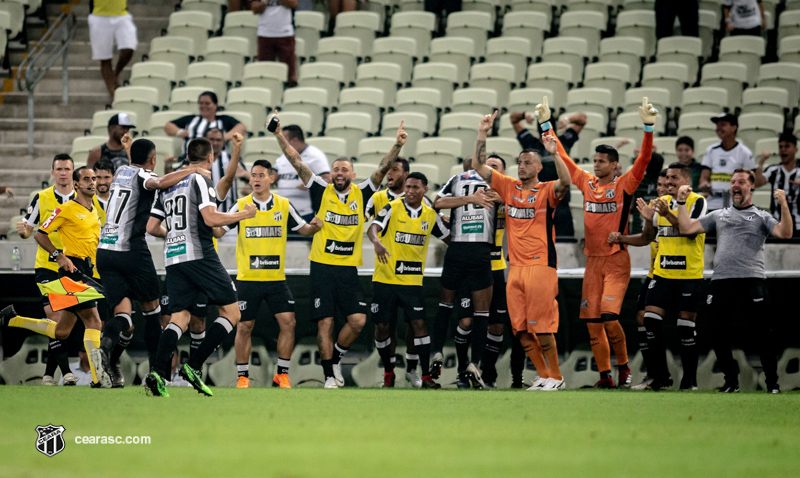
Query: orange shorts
[
  {"x": 531, "y": 294},
  {"x": 604, "y": 284}
]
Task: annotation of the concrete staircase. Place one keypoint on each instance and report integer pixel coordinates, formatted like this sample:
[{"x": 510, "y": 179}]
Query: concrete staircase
[{"x": 55, "y": 124}]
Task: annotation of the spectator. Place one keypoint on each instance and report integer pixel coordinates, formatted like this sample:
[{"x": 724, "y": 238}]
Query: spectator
[
  {"x": 7, "y": 191},
  {"x": 684, "y": 149},
  {"x": 784, "y": 176},
  {"x": 195, "y": 126},
  {"x": 289, "y": 184},
  {"x": 337, "y": 6},
  {"x": 569, "y": 128},
  {"x": 80, "y": 369},
  {"x": 112, "y": 150},
  {"x": 111, "y": 23},
  {"x": 744, "y": 17},
  {"x": 687, "y": 11},
  {"x": 721, "y": 160},
  {"x": 276, "y": 33}
]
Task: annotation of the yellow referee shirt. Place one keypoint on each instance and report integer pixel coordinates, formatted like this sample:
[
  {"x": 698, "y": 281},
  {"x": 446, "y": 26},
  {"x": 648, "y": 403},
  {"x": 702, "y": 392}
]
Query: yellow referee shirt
[{"x": 78, "y": 227}]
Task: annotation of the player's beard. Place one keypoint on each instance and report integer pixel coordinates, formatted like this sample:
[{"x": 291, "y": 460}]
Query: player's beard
[
  {"x": 343, "y": 187},
  {"x": 102, "y": 189}
]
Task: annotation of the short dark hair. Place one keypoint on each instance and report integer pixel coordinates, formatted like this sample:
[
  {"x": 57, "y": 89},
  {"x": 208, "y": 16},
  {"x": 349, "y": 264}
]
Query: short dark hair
[
  {"x": 530, "y": 151},
  {"x": 498, "y": 157},
  {"x": 684, "y": 169},
  {"x": 295, "y": 132},
  {"x": 213, "y": 130},
  {"x": 404, "y": 162},
  {"x": 750, "y": 175},
  {"x": 787, "y": 137},
  {"x": 211, "y": 95},
  {"x": 685, "y": 140},
  {"x": 662, "y": 173},
  {"x": 141, "y": 149},
  {"x": 198, "y": 150},
  {"x": 264, "y": 164},
  {"x": 104, "y": 165},
  {"x": 420, "y": 176},
  {"x": 610, "y": 151},
  {"x": 62, "y": 157},
  {"x": 345, "y": 159},
  {"x": 76, "y": 174}
]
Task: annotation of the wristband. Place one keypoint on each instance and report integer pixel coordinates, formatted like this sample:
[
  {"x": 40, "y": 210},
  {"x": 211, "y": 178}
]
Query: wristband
[
  {"x": 681, "y": 203},
  {"x": 545, "y": 126},
  {"x": 649, "y": 128}
]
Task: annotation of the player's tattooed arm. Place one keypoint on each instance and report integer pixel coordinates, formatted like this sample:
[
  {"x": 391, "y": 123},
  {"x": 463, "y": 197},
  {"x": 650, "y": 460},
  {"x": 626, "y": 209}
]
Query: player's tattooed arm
[
  {"x": 479, "y": 157},
  {"x": 564, "y": 179},
  {"x": 391, "y": 156},
  {"x": 291, "y": 154},
  {"x": 687, "y": 225}
]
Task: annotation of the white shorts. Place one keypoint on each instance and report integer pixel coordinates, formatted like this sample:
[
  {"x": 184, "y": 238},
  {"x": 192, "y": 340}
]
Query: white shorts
[{"x": 105, "y": 31}]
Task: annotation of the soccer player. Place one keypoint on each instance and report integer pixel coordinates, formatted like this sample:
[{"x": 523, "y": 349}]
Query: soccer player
[
  {"x": 193, "y": 267},
  {"x": 260, "y": 261},
  {"x": 44, "y": 203},
  {"x": 336, "y": 249},
  {"x": 532, "y": 279},
  {"x": 123, "y": 257},
  {"x": 641, "y": 239},
  {"x": 79, "y": 228},
  {"x": 405, "y": 225},
  {"x": 104, "y": 171},
  {"x": 607, "y": 205},
  {"x": 738, "y": 287}
]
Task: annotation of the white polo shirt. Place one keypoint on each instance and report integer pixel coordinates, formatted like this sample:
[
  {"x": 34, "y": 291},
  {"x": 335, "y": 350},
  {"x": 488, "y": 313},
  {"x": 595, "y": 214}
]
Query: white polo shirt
[{"x": 722, "y": 165}]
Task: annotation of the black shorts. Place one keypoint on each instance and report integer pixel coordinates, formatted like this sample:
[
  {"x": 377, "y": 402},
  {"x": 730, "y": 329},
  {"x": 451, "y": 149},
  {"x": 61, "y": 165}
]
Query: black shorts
[
  {"x": 498, "y": 311},
  {"x": 335, "y": 286},
  {"x": 468, "y": 264},
  {"x": 251, "y": 293},
  {"x": 189, "y": 282},
  {"x": 679, "y": 295},
  {"x": 128, "y": 274},
  {"x": 197, "y": 309},
  {"x": 641, "y": 300},
  {"x": 44, "y": 276},
  {"x": 85, "y": 270},
  {"x": 387, "y": 297},
  {"x": 737, "y": 300}
]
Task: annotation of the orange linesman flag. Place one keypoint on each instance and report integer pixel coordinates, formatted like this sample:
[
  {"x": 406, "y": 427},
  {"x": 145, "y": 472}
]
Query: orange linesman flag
[{"x": 65, "y": 292}]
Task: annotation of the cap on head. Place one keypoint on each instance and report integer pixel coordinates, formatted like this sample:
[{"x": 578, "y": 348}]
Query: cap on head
[
  {"x": 727, "y": 117},
  {"x": 120, "y": 119}
]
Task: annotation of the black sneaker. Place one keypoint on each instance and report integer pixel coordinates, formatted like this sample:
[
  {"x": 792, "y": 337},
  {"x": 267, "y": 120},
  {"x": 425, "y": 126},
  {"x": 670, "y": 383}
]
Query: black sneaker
[
  {"x": 659, "y": 384},
  {"x": 775, "y": 388},
  {"x": 687, "y": 384},
  {"x": 463, "y": 380},
  {"x": 7, "y": 314},
  {"x": 729, "y": 387},
  {"x": 516, "y": 382},
  {"x": 117, "y": 379},
  {"x": 436, "y": 365},
  {"x": 427, "y": 382}
]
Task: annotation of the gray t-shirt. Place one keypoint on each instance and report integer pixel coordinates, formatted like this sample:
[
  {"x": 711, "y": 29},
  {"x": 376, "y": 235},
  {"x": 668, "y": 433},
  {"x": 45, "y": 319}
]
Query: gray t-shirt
[{"x": 740, "y": 241}]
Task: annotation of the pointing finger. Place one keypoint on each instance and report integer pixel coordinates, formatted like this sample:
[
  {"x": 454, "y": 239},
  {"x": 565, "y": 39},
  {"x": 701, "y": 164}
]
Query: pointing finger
[
  {"x": 644, "y": 103},
  {"x": 400, "y": 128},
  {"x": 544, "y": 102}
]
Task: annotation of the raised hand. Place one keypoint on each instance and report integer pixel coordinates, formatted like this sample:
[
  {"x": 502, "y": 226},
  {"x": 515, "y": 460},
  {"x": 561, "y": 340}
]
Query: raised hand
[
  {"x": 278, "y": 126},
  {"x": 647, "y": 113},
  {"x": 780, "y": 197},
  {"x": 684, "y": 192},
  {"x": 487, "y": 122},
  {"x": 661, "y": 206},
  {"x": 550, "y": 144},
  {"x": 237, "y": 140},
  {"x": 126, "y": 141},
  {"x": 646, "y": 210},
  {"x": 402, "y": 136},
  {"x": 543, "y": 111},
  {"x": 250, "y": 210}
]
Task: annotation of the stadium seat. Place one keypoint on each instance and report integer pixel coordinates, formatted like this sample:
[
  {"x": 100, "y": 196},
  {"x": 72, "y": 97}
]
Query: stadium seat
[
  {"x": 100, "y": 121},
  {"x": 512, "y": 171},
  {"x": 670, "y": 76},
  {"x": 462, "y": 126},
  {"x": 530, "y": 25},
  {"x": 627, "y": 50},
  {"x": 265, "y": 147},
  {"x": 762, "y": 198},
  {"x": 363, "y": 170},
  {"x": 326, "y": 75},
  {"x": 579, "y": 369},
  {"x": 789, "y": 49},
  {"x": 545, "y": 7},
  {"x": 496, "y": 76},
  {"x": 625, "y": 151},
  {"x": 665, "y": 146},
  {"x": 629, "y": 125},
  {"x": 361, "y": 25},
  {"x": 410, "y": 5},
  {"x": 658, "y": 97},
  {"x": 704, "y": 99},
  {"x": 708, "y": 24},
  {"x": 488, "y": 6},
  {"x": 680, "y": 49},
  {"x": 416, "y": 125},
  {"x": 210, "y": 6},
  {"x": 697, "y": 126},
  {"x": 702, "y": 145},
  {"x": 363, "y": 100},
  {"x": 730, "y": 76},
  {"x": 342, "y": 50},
  {"x": 309, "y": 25},
  {"x": 592, "y": 100},
  {"x": 397, "y": 50},
  {"x": 351, "y": 127},
  {"x": 373, "y": 150},
  {"x": 506, "y": 148},
  {"x": 441, "y": 76},
  {"x": 13, "y": 18},
  {"x": 308, "y": 99},
  {"x": 416, "y": 25},
  {"x": 382, "y": 76},
  {"x": 5, "y": 26},
  {"x": 155, "y": 127},
  {"x": 439, "y": 152},
  {"x": 210, "y": 75},
  {"x": 611, "y": 76},
  {"x": 556, "y": 77},
  {"x": 639, "y": 24},
  {"x": 299, "y": 118},
  {"x": 332, "y": 147},
  {"x": 185, "y": 98},
  {"x": 584, "y": 24},
  {"x": 271, "y": 75},
  {"x": 745, "y": 49},
  {"x": 458, "y": 51},
  {"x": 788, "y": 373},
  {"x": 756, "y": 126},
  {"x": 789, "y": 22},
  {"x": 526, "y": 99},
  {"x": 252, "y": 100},
  {"x": 781, "y": 75},
  {"x": 304, "y": 367},
  {"x": 504, "y": 127},
  {"x": 765, "y": 99},
  {"x": 427, "y": 101},
  {"x": 769, "y": 145},
  {"x": 166, "y": 146},
  {"x": 709, "y": 378},
  {"x": 572, "y": 51},
  {"x": 142, "y": 100},
  {"x": 598, "y": 6},
  {"x": 27, "y": 365},
  {"x": 474, "y": 100},
  {"x": 172, "y": 49},
  {"x": 381, "y": 7},
  {"x": 630, "y": 5},
  {"x": 592, "y": 130},
  {"x": 195, "y": 25},
  {"x": 231, "y": 50},
  {"x": 475, "y": 25},
  {"x": 245, "y": 25},
  {"x": 223, "y": 372},
  {"x": 157, "y": 74},
  {"x": 81, "y": 147}
]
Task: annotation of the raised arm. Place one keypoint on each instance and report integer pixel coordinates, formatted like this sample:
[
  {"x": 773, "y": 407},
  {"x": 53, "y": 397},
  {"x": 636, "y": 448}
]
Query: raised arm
[
  {"x": 784, "y": 229},
  {"x": 479, "y": 157},
  {"x": 388, "y": 160},
  {"x": 224, "y": 184},
  {"x": 562, "y": 185},
  {"x": 291, "y": 154},
  {"x": 543, "y": 115},
  {"x": 648, "y": 115},
  {"x": 687, "y": 225},
  {"x": 759, "y": 172}
]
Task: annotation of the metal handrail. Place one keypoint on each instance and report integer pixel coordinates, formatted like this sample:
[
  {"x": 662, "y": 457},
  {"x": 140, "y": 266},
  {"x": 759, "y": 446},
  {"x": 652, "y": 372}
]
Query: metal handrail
[{"x": 54, "y": 44}]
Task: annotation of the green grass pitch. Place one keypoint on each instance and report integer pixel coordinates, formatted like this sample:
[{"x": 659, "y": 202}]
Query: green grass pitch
[{"x": 376, "y": 433}]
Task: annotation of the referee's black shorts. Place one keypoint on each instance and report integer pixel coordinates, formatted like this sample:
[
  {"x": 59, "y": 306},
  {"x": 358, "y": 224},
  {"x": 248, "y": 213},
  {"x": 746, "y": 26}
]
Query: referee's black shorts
[
  {"x": 335, "y": 286},
  {"x": 189, "y": 282},
  {"x": 251, "y": 293},
  {"x": 127, "y": 274},
  {"x": 468, "y": 264}
]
